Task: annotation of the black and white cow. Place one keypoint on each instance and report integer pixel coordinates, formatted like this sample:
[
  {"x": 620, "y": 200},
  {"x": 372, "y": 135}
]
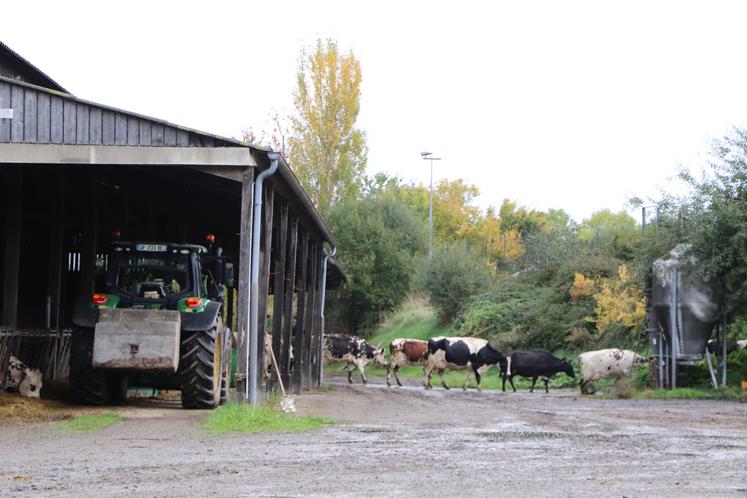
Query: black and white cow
[
  {"x": 466, "y": 352},
  {"x": 533, "y": 364},
  {"x": 354, "y": 351},
  {"x": 22, "y": 379}
]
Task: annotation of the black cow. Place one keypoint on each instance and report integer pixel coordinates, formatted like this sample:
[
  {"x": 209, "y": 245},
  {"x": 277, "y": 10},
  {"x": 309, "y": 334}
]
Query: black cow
[
  {"x": 354, "y": 351},
  {"x": 533, "y": 364},
  {"x": 466, "y": 352}
]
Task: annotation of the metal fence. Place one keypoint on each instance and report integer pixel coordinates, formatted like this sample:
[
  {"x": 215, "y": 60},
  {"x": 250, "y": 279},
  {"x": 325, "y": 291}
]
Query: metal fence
[{"x": 47, "y": 350}]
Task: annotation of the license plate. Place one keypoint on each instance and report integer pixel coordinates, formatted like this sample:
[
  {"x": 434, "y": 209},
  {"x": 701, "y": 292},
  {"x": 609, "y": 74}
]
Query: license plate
[{"x": 150, "y": 247}]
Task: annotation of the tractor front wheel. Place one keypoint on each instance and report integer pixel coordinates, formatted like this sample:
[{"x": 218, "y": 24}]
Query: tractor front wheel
[
  {"x": 87, "y": 386},
  {"x": 200, "y": 368}
]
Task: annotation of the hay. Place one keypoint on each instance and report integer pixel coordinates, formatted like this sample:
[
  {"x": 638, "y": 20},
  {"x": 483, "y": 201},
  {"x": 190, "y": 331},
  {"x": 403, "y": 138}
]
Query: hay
[{"x": 16, "y": 408}]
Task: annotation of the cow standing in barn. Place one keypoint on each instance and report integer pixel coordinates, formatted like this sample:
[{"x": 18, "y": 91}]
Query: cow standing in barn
[
  {"x": 406, "y": 352},
  {"x": 534, "y": 364},
  {"x": 465, "y": 352},
  {"x": 606, "y": 364},
  {"x": 354, "y": 351}
]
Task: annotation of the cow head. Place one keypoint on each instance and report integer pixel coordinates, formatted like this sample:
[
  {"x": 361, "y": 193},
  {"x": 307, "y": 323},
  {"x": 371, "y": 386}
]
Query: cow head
[
  {"x": 31, "y": 384},
  {"x": 379, "y": 356},
  {"x": 436, "y": 343},
  {"x": 567, "y": 368}
]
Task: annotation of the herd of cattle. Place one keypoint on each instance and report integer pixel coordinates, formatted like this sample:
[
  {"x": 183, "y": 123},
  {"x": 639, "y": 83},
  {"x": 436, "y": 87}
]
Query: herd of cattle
[{"x": 476, "y": 356}]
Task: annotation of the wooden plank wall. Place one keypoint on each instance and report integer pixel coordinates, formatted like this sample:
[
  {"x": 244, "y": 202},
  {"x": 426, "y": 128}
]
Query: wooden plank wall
[{"x": 43, "y": 118}]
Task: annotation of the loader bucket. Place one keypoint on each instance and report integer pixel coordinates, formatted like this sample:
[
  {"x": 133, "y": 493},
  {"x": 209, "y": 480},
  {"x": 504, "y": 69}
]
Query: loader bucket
[{"x": 132, "y": 339}]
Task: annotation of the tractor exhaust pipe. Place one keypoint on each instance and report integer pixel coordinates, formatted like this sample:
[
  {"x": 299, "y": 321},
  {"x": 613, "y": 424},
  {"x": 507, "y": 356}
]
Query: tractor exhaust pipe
[{"x": 251, "y": 358}]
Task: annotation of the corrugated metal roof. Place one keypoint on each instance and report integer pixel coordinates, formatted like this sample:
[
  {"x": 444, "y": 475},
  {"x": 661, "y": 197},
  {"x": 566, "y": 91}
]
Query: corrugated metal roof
[{"x": 48, "y": 82}]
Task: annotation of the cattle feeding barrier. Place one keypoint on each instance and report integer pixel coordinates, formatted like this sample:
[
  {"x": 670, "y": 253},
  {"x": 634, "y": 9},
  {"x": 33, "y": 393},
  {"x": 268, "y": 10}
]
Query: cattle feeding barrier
[{"x": 45, "y": 349}]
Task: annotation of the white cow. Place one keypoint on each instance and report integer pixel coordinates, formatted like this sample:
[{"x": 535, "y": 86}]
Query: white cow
[
  {"x": 606, "y": 364},
  {"x": 22, "y": 379}
]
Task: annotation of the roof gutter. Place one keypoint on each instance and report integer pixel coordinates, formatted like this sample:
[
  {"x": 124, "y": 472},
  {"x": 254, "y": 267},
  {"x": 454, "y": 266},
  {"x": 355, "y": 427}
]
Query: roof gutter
[{"x": 251, "y": 358}]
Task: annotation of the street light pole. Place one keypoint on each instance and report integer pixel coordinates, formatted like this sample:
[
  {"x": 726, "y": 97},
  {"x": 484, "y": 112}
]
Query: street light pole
[{"x": 429, "y": 156}]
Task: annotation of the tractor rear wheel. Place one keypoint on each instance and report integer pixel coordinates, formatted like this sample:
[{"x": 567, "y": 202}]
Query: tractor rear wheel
[
  {"x": 200, "y": 368},
  {"x": 87, "y": 386}
]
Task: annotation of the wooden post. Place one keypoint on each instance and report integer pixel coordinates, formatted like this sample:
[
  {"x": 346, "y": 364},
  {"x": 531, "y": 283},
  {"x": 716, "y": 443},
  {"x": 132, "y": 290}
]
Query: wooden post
[
  {"x": 245, "y": 270},
  {"x": 299, "y": 359},
  {"x": 57, "y": 253},
  {"x": 14, "y": 211},
  {"x": 264, "y": 276},
  {"x": 317, "y": 323},
  {"x": 279, "y": 283},
  {"x": 290, "y": 286},
  {"x": 311, "y": 299}
]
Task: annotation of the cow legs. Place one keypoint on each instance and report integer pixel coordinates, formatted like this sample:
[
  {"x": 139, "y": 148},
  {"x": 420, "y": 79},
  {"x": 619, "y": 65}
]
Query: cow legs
[
  {"x": 427, "y": 373},
  {"x": 534, "y": 381},
  {"x": 503, "y": 387},
  {"x": 350, "y": 369},
  {"x": 478, "y": 378},
  {"x": 361, "y": 371},
  {"x": 396, "y": 376},
  {"x": 392, "y": 369},
  {"x": 466, "y": 381},
  {"x": 511, "y": 380},
  {"x": 443, "y": 381},
  {"x": 546, "y": 381}
]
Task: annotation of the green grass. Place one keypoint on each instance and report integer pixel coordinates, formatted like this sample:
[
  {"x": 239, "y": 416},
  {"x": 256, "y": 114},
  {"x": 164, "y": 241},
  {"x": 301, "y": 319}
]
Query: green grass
[
  {"x": 415, "y": 319},
  {"x": 690, "y": 393},
  {"x": 235, "y": 417},
  {"x": 91, "y": 423}
]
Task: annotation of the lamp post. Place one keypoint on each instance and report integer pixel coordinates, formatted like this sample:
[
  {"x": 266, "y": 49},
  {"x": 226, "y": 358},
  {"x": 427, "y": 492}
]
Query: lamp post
[{"x": 428, "y": 156}]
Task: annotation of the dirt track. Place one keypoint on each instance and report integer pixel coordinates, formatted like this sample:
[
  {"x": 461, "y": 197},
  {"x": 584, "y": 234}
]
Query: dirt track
[{"x": 400, "y": 442}]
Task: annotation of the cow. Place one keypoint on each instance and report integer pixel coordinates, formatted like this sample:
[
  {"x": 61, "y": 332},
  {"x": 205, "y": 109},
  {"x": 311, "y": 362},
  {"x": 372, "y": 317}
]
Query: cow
[
  {"x": 606, "y": 364},
  {"x": 534, "y": 364},
  {"x": 354, "y": 351},
  {"x": 464, "y": 352},
  {"x": 405, "y": 352},
  {"x": 22, "y": 379}
]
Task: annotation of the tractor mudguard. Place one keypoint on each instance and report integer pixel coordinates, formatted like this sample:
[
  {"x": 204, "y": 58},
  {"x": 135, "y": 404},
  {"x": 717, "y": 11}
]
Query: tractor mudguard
[
  {"x": 205, "y": 320},
  {"x": 83, "y": 314}
]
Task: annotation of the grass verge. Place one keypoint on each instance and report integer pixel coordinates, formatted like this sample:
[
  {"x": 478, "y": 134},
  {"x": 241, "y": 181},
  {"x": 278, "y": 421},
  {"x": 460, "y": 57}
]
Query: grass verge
[
  {"x": 690, "y": 393},
  {"x": 235, "y": 417},
  {"x": 89, "y": 423}
]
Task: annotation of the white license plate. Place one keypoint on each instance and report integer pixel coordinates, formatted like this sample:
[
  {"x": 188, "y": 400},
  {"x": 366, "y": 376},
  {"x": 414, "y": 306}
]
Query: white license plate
[{"x": 150, "y": 247}]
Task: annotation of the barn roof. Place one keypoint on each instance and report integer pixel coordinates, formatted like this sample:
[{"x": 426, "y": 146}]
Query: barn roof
[{"x": 15, "y": 66}]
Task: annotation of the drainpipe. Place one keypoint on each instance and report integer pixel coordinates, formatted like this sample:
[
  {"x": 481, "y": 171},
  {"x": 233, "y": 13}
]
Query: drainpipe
[
  {"x": 324, "y": 293},
  {"x": 251, "y": 358}
]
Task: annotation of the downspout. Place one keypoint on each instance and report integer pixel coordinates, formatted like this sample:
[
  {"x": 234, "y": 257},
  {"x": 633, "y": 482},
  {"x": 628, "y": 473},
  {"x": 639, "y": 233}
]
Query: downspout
[
  {"x": 251, "y": 358},
  {"x": 324, "y": 294}
]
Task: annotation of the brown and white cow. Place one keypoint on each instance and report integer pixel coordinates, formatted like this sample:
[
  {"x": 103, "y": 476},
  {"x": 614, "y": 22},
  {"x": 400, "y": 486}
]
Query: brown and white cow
[
  {"x": 354, "y": 351},
  {"x": 22, "y": 379},
  {"x": 606, "y": 364},
  {"x": 405, "y": 352}
]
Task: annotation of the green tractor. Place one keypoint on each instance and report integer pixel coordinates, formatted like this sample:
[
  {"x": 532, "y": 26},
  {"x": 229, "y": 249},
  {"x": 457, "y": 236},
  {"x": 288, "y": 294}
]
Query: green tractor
[{"x": 159, "y": 324}]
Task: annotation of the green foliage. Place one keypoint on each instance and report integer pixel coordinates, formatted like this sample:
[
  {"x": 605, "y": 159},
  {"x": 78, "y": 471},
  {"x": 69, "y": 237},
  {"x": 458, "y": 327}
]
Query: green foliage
[
  {"x": 89, "y": 423},
  {"x": 452, "y": 277},
  {"x": 235, "y": 417},
  {"x": 328, "y": 153},
  {"x": 414, "y": 319},
  {"x": 610, "y": 234},
  {"x": 378, "y": 242}
]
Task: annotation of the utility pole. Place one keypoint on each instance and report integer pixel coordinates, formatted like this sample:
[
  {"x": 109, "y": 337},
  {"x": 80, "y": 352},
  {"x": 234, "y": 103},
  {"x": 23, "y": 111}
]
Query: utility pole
[{"x": 429, "y": 157}]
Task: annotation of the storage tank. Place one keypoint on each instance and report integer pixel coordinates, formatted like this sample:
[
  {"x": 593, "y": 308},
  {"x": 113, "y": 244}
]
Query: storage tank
[{"x": 683, "y": 303}]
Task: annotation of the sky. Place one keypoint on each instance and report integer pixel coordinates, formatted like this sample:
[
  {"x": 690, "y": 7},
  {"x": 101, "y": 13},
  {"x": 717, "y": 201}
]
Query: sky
[{"x": 565, "y": 105}]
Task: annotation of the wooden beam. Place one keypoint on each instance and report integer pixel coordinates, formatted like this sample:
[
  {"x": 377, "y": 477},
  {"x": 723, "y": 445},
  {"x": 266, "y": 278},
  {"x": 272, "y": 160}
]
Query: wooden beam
[
  {"x": 290, "y": 286},
  {"x": 301, "y": 285},
  {"x": 245, "y": 270},
  {"x": 57, "y": 253},
  {"x": 279, "y": 283},
  {"x": 264, "y": 275},
  {"x": 316, "y": 326},
  {"x": 311, "y": 299},
  {"x": 13, "y": 225}
]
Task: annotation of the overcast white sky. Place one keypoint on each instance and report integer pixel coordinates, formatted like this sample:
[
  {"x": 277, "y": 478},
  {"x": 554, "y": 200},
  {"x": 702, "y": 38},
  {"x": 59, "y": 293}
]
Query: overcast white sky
[{"x": 573, "y": 105}]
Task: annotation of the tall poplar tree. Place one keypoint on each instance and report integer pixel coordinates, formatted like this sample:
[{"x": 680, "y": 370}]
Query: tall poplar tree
[{"x": 327, "y": 152}]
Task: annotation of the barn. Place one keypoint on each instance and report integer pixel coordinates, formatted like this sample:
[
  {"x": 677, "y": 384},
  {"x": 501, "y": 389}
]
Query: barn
[{"x": 75, "y": 172}]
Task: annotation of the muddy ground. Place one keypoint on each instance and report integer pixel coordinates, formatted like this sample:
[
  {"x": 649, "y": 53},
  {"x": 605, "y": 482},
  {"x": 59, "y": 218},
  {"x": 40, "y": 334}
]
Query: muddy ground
[{"x": 398, "y": 442}]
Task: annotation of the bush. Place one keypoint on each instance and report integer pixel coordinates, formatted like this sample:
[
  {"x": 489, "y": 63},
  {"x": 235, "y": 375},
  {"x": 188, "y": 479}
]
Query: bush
[{"x": 454, "y": 274}]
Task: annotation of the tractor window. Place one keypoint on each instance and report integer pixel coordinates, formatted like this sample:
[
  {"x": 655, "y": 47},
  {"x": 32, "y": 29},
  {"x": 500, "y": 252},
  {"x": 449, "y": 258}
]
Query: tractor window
[{"x": 153, "y": 276}]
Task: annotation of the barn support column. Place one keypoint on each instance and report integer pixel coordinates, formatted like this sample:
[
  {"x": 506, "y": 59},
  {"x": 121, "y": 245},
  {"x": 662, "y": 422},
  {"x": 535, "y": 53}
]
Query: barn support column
[
  {"x": 298, "y": 331},
  {"x": 311, "y": 301},
  {"x": 278, "y": 292},
  {"x": 56, "y": 256},
  {"x": 264, "y": 277},
  {"x": 14, "y": 210},
  {"x": 316, "y": 349},
  {"x": 290, "y": 287},
  {"x": 245, "y": 268}
]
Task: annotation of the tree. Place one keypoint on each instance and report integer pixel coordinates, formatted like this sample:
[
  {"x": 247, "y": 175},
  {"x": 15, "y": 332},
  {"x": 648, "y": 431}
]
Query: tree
[
  {"x": 612, "y": 234},
  {"x": 276, "y": 139},
  {"x": 327, "y": 152},
  {"x": 379, "y": 240}
]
